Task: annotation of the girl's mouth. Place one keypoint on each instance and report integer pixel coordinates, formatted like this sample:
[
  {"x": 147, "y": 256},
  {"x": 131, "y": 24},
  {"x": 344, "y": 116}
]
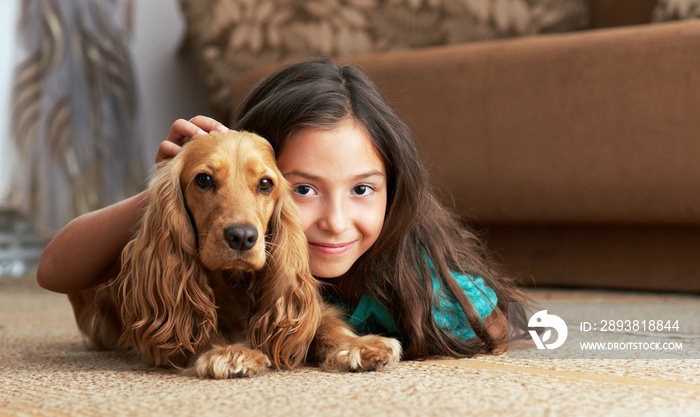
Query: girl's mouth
[{"x": 331, "y": 249}]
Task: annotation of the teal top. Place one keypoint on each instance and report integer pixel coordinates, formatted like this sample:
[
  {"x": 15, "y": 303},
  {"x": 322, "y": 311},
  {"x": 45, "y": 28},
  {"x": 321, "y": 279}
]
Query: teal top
[{"x": 370, "y": 316}]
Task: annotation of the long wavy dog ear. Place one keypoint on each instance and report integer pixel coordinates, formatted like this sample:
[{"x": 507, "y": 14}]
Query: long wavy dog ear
[
  {"x": 287, "y": 309},
  {"x": 167, "y": 308}
]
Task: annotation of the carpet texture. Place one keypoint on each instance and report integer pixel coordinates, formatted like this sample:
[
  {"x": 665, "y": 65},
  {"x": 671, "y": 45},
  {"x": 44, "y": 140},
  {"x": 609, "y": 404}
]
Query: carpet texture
[{"x": 47, "y": 370}]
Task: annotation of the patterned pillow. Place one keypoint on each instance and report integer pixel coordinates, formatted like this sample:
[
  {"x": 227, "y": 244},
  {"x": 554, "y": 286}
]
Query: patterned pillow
[
  {"x": 667, "y": 10},
  {"x": 232, "y": 36}
]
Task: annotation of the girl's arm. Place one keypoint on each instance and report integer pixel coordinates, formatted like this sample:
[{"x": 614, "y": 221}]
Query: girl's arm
[{"x": 86, "y": 252}]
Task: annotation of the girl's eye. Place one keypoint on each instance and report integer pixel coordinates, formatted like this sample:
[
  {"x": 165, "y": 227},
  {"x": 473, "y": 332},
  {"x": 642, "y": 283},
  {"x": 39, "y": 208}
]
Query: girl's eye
[
  {"x": 304, "y": 190},
  {"x": 266, "y": 185},
  {"x": 204, "y": 181},
  {"x": 362, "y": 189}
]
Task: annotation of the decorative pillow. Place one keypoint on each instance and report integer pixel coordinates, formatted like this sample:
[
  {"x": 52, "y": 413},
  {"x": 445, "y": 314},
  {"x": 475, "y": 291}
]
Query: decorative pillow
[
  {"x": 232, "y": 36},
  {"x": 667, "y": 10}
]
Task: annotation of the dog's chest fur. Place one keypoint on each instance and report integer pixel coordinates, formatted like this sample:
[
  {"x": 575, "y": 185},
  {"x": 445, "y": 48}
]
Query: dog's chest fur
[{"x": 233, "y": 304}]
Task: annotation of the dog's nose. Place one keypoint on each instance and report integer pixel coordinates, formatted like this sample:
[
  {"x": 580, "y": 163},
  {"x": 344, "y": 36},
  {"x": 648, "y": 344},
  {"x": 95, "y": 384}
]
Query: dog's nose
[{"x": 241, "y": 237}]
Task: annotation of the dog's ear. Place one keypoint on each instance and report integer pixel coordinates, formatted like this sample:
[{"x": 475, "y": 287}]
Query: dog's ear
[
  {"x": 167, "y": 307},
  {"x": 287, "y": 309}
]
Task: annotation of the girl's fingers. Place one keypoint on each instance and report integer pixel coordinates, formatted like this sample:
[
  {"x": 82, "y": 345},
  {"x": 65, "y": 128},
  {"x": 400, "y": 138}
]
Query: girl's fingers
[
  {"x": 182, "y": 131},
  {"x": 208, "y": 124},
  {"x": 167, "y": 150}
]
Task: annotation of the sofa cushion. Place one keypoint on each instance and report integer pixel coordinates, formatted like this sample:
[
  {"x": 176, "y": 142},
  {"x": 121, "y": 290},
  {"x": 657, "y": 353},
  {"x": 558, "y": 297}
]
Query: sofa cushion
[
  {"x": 233, "y": 36},
  {"x": 596, "y": 127}
]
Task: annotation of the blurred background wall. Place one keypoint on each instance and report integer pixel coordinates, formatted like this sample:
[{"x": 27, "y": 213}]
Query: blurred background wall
[
  {"x": 9, "y": 10},
  {"x": 168, "y": 89}
]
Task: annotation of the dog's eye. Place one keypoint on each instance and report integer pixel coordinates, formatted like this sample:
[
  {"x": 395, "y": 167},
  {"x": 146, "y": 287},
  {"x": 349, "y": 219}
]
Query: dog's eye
[
  {"x": 204, "y": 181},
  {"x": 266, "y": 185}
]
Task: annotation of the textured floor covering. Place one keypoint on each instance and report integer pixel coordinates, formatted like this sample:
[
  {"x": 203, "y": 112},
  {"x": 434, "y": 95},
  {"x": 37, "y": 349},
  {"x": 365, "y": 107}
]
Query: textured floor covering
[{"x": 46, "y": 370}]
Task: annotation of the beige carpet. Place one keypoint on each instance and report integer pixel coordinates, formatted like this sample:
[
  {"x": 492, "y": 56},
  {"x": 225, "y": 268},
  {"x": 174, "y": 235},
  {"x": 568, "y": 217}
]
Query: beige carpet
[{"x": 46, "y": 370}]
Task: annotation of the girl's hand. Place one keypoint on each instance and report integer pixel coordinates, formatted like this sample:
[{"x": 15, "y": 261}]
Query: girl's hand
[{"x": 182, "y": 131}]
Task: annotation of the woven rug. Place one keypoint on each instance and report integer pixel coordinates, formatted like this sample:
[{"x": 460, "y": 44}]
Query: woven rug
[{"x": 47, "y": 370}]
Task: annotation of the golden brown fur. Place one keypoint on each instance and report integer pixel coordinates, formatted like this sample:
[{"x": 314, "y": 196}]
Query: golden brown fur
[{"x": 217, "y": 278}]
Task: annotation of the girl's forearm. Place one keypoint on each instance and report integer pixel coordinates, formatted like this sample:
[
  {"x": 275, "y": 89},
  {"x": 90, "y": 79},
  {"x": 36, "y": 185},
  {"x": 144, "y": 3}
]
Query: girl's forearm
[{"x": 86, "y": 252}]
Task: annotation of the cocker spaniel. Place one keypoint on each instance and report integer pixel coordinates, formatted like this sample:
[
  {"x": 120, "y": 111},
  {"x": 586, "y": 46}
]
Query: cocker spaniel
[{"x": 216, "y": 280}]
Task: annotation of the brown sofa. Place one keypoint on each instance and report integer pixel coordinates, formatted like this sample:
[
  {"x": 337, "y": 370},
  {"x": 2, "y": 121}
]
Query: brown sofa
[{"x": 576, "y": 154}]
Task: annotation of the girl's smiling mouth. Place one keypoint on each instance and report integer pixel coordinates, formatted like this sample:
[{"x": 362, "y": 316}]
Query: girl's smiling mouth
[{"x": 331, "y": 248}]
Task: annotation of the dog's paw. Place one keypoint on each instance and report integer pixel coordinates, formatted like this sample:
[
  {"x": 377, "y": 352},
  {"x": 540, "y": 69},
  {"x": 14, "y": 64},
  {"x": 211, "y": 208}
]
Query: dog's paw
[
  {"x": 366, "y": 353},
  {"x": 231, "y": 361}
]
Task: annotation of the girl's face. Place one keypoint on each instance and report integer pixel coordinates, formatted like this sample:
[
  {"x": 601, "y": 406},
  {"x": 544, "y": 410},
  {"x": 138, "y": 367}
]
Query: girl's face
[{"x": 339, "y": 185}]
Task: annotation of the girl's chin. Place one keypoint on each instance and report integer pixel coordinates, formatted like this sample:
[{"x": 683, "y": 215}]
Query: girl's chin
[
  {"x": 327, "y": 275},
  {"x": 328, "y": 271}
]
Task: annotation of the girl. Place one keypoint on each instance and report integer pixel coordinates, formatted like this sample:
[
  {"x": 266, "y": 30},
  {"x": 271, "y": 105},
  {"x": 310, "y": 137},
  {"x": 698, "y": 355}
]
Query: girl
[{"x": 395, "y": 259}]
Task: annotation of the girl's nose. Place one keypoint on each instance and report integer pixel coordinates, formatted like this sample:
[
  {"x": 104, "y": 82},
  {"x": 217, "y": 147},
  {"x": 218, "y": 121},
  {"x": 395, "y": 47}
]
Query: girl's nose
[{"x": 335, "y": 218}]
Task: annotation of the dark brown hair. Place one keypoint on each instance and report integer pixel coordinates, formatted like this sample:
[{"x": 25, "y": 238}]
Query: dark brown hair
[{"x": 395, "y": 270}]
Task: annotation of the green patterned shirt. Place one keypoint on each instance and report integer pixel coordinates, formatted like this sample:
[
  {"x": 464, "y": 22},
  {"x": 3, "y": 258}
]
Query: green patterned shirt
[{"x": 370, "y": 316}]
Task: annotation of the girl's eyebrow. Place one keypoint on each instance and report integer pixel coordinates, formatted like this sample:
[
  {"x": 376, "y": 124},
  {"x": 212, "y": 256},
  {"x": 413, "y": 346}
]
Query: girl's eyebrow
[
  {"x": 308, "y": 176},
  {"x": 301, "y": 174},
  {"x": 373, "y": 173}
]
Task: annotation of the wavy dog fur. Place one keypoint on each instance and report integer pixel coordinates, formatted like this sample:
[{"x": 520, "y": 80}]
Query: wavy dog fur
[{"x": 185, "y": 297}]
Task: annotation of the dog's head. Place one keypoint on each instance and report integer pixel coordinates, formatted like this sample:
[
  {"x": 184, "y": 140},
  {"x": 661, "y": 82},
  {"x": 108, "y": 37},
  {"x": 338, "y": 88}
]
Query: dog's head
[
  {"x": 220, "y": 204},
  {"x": 231, "y": 186}
]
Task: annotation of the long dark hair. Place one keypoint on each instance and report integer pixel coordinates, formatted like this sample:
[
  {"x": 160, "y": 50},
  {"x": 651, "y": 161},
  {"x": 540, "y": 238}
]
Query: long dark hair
[{"x": 395, "y": 270}]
